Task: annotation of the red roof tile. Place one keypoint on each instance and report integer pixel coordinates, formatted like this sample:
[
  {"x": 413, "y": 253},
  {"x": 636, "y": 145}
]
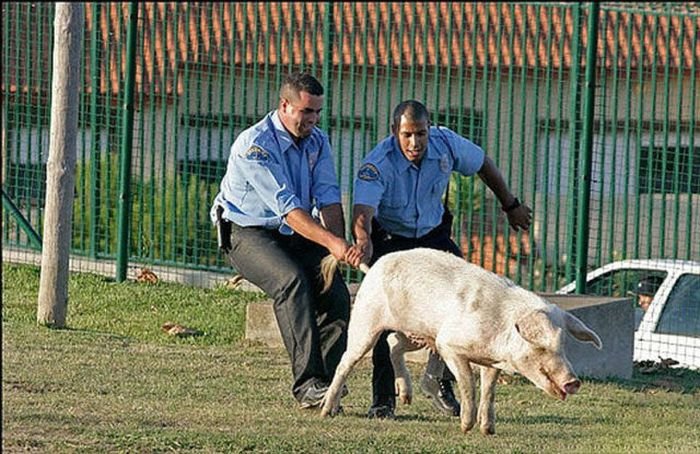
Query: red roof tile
[{"x": 485, "y": 35}]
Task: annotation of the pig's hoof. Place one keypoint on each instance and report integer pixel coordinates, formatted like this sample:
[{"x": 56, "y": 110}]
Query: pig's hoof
[
  {"x": 328, "y": 411},
  {"x": 404, "y": 391},
  {"x": 466, "y": 427},
  {"x": 488, "y": 429}
]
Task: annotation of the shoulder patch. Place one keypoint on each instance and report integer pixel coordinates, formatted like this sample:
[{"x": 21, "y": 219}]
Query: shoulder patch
[
  {"x": 368, "y": 172},
  {"x": 445, "y": 164},
  {"x": 255, "y": 153}
]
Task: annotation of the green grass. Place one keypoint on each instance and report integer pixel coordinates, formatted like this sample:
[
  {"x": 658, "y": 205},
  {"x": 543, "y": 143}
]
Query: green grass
[{"x": 114, "y": 382}]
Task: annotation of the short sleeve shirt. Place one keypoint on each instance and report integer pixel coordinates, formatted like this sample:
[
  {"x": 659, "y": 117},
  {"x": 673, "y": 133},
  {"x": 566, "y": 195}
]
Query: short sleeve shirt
[
  {"x": 268, "y": 175},
  {"x": 407, "y": 198}
]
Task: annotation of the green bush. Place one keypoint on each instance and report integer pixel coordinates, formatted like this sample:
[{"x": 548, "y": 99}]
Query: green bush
[{"x": 169, "y": 218}]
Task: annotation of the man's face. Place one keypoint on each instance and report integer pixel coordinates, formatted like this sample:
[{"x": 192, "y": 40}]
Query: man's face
[
  {"x": 412, "y": 136},
  {"x": 645, "y": 301},
  {"x": 300, "y": 116}
]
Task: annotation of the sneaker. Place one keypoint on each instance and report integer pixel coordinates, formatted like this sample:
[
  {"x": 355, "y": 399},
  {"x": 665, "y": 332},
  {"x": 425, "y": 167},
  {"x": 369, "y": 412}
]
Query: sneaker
[
  {"x": 313, "y": 396},
  {"x": 382, "y": 409},
  {"x": 441, "y": 394}
]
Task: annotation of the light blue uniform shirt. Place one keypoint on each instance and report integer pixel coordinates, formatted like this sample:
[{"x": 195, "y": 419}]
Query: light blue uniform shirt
[
  {"x": 268, "y": 175},
  {"x": 407, "y": 199}
]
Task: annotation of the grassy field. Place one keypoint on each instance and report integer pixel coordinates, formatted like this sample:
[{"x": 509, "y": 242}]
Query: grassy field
[{"x": 115, "y": 382}]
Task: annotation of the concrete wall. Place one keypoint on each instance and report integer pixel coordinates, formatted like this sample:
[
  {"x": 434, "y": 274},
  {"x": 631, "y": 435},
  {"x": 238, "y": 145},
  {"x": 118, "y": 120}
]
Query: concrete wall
[{"x": 613, "y": 320}]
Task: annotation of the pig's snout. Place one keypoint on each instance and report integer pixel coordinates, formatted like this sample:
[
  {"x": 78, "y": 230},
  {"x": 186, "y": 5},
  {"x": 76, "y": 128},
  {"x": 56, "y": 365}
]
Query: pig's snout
[{"x": 572, "y": 386}]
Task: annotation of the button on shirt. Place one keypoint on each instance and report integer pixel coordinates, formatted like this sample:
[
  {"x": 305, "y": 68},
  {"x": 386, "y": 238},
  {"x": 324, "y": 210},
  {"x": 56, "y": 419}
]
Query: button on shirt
[
  {"x": 407, "y": 199},
  {"x": 268, "y": 175}
]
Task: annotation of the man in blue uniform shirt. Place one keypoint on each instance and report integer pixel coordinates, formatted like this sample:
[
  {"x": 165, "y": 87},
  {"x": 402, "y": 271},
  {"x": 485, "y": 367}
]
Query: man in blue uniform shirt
[
  {"x": 280, "y": 173},
  {"x": 397, "y": 206}
]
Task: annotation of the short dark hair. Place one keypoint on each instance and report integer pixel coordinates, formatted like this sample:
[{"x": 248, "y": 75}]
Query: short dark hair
[
  {"x": 413, "y": 110},
  {"x": 296, "y": 82},
  {"x": 648, "y": 286}
]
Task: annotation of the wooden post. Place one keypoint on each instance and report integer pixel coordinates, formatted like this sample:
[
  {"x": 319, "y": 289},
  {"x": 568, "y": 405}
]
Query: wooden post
[{"x": 60, "y": 169}]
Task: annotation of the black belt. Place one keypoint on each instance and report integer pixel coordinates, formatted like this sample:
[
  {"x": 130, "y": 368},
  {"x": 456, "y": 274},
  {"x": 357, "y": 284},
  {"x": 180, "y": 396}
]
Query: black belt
[
  {"x": 381, "y": 234},
  {"x": 444, "y": 228}
]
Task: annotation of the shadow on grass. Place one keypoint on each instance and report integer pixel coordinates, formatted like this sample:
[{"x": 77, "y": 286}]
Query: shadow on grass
[
  {"x": 678, "y": 380},
  {"x": 91, "y": 332},
  {"x": 541, "y": 419},
  {"x": 400, "y": 416},
  {"x": 417, "y": 417}
]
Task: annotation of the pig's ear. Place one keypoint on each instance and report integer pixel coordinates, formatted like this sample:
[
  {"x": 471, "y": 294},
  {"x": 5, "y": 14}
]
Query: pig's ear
[
  {"x": 537, "y": 328},
  {"x": 580, "y": 331}
]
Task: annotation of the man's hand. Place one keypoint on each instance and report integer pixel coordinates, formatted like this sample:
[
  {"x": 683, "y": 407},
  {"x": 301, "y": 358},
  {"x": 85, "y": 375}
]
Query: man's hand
[
  {"x": 520, "y": 217},
  {"x": 366, "y": 249},
  {"x": 356, "y": 255},
  {"x": 338, "y": 247},
  {"x": 306, "y": 226}
]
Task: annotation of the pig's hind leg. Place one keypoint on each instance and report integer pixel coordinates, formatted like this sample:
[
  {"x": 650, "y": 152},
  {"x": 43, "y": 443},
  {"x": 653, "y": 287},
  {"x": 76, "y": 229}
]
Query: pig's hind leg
[{"x": 399, "y": 344}]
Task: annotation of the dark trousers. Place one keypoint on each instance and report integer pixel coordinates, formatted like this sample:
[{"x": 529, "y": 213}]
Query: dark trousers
[
  {"x": 382, "y": 372},
  {"x": 313, "y": 325}
]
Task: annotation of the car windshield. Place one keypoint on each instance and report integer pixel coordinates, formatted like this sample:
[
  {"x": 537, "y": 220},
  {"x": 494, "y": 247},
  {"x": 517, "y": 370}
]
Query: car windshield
[{"x": 681, "y": 314}]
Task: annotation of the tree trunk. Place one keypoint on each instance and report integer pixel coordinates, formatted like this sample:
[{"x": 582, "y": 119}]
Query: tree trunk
[{"x": 60, "y": 169}]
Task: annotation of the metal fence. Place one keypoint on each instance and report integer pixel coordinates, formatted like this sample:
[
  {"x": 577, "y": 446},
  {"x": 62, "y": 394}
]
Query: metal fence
[{"x": 590, "y": 111}]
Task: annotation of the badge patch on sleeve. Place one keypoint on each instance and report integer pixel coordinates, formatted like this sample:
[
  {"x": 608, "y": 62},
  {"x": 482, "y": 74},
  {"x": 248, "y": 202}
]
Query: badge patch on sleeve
[
  {"x": 368, "y": 172},
  {"x": 445, "y": 164},
  {"x": 255, "y": 153}
]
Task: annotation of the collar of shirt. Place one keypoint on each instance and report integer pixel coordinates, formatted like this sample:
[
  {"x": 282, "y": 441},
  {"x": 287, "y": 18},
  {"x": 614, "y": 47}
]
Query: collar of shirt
[
  {"x": 284, "y": 139},
  {"x": 402, "y": 164}
]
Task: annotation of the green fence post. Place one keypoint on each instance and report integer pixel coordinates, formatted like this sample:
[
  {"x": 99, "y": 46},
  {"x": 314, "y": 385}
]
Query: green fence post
[
  {"x": 691, "y": 150},
  {"x": 95, "y": 153},
  {"x": 574, "y": 143},
  {"x": 326, "y": 68},
  {"x": 127, "y": 135},
  {"x": 584, "y": 173}
]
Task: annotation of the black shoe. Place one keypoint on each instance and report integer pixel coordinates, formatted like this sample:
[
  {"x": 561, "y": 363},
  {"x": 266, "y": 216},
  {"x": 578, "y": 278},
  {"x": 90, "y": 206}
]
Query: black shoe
[
  {"x": 382, "y": 409},
  {"x": 441, "y": 394},
  {"x": 313, "y": 396}
]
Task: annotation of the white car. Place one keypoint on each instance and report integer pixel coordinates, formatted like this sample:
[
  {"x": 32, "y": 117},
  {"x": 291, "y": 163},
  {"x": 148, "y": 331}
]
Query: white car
[{"x": 670, "y": 327}]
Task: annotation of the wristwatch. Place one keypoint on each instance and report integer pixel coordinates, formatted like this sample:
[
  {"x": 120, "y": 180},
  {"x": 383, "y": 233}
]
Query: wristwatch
[{"x": 512, "y": 206}]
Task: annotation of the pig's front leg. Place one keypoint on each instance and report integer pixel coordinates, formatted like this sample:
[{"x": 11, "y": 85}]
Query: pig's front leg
[
  {"x": 487, "y": 413},
  {"x": 462, "y": 370}
]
